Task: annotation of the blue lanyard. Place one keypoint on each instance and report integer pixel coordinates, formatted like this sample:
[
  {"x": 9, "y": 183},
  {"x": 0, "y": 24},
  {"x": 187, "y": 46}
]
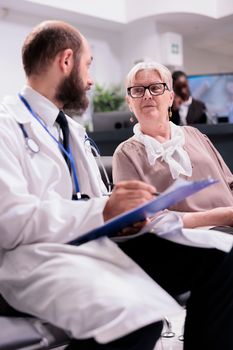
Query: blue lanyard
[{"x": 68, "y": 154}]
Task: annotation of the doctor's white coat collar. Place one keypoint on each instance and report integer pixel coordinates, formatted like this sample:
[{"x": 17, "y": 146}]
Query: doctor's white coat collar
[{"x": 43, "y": 107}]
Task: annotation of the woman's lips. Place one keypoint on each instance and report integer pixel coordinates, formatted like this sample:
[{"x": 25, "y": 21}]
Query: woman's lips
[{"x": 149, "y": 106}]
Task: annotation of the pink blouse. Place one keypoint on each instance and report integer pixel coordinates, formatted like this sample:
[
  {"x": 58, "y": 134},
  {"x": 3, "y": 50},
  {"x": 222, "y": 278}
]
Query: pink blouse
[{"x": 130, "y": 162}]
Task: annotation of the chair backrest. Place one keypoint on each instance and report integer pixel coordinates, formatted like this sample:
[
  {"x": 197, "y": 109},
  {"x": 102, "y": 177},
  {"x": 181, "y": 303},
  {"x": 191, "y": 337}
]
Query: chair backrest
[
  {"x": 108, "y": 121},
  {"x": 107, "y": 163}
]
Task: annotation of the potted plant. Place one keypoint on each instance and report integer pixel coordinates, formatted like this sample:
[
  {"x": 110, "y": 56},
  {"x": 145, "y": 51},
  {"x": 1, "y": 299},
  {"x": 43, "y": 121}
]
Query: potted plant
[
  {"x": 110, "y": 109},
  {"x": 108, "y": 99}
]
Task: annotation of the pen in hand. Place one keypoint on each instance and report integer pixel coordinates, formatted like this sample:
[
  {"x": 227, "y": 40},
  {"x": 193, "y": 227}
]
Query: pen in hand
[
  {"x": 112, "y": 186},
  {"x": 156, "y": 193}
]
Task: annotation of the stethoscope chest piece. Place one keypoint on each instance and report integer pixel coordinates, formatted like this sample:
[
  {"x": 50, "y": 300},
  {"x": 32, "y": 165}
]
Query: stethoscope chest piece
[{"x": 32, "y": 145}]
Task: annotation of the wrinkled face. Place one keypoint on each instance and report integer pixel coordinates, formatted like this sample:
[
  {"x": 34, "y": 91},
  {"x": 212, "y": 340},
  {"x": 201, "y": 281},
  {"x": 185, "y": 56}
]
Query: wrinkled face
[
  {"x": 181, "y": 88},
  {"x": 149, "y": 108},
  {"x": 72, "y": 89}
]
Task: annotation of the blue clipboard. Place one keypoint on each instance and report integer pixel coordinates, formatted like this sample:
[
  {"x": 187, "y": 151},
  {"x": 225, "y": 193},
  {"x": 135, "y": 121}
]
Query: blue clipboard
[{"x": 170, "y": 197}]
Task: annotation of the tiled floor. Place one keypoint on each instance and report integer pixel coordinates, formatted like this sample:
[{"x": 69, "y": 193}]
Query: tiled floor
[{"x": 174, "y": 343}]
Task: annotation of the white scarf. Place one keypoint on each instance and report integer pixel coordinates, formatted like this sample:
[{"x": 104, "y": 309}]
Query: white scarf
[{"x": 171, "y": 152}]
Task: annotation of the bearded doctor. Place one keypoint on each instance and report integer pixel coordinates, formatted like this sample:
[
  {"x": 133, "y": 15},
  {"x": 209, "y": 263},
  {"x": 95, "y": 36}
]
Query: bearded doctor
[{"x": 107, "y": 296}]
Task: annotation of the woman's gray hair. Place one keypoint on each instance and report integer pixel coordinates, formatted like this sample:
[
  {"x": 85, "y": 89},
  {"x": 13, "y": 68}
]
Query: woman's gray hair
[{"x": 163, "y": 71}]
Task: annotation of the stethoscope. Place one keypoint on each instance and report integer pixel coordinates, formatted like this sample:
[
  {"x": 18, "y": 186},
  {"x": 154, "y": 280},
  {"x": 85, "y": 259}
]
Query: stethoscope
[{"x": 33, "y": 147}]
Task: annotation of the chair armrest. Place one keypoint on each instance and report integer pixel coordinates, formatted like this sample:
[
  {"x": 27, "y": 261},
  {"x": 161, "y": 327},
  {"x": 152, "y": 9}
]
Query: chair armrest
[
  {"x": 17, "y": 333},
  {"x": 29, "y": 333}
]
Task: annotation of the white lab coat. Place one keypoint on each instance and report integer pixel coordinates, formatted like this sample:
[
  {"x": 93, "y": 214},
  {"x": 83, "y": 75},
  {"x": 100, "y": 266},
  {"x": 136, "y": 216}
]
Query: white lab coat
[{"x": 94, "y": 290}]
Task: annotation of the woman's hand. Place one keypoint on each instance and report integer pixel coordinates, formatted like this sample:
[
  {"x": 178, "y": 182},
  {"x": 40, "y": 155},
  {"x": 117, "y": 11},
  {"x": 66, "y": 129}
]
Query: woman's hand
[
  {"x": 222, "y": 216},
  {"x": 127, "y": 195}
]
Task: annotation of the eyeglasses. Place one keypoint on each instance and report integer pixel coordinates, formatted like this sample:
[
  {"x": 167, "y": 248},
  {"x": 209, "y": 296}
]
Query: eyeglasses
[{"x": 154, "y": 89}]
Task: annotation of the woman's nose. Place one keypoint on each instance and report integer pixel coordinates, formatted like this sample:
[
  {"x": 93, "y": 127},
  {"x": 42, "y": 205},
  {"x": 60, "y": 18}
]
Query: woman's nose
[{"x": 147, "y": 94}]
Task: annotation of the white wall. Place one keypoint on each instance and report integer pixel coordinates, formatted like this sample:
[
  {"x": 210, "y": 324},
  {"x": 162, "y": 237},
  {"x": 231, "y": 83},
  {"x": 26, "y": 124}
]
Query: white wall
[
  {"x": 140, "y": 40},
  {"x": 107, "y": 52},
  {"x": 198, "y": 61},
  {"x": 12, "y": 35},
  {"x": 14, "y": 28}
]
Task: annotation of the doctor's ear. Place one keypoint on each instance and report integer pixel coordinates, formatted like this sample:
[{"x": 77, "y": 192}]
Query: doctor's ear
[{"x": 66, "y": 60}]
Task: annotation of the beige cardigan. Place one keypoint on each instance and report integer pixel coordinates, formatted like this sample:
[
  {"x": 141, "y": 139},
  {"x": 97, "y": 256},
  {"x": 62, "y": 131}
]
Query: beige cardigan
[{"x": 130, "y": 162}]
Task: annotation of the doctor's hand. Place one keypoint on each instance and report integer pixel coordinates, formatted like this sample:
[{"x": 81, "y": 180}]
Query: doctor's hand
[
  {"x": 132, "y": 230},
  {"x": 127, "y": 195}
]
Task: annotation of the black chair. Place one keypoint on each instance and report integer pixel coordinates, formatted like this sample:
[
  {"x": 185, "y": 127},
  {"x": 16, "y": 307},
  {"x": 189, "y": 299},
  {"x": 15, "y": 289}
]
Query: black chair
[{"x": 19, "y": 331}]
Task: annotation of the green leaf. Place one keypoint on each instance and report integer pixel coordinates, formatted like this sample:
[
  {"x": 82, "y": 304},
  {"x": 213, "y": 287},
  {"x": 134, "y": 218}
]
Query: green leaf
[{"x": 108, "y": 99}]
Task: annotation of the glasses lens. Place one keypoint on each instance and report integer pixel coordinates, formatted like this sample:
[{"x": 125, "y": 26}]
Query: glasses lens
[
  {"x": 157, "y": 89},
  {"x": 137, "y": 91}
]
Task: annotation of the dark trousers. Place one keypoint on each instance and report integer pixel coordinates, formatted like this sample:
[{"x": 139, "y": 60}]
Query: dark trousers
[
  {"x": 142, "y": 339},
  {"x": 207, "y": 273}
]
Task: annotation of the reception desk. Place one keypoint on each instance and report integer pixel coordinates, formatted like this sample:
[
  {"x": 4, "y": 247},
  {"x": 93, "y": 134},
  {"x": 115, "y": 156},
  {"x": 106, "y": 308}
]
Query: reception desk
[{"x": 220, "y": 134}]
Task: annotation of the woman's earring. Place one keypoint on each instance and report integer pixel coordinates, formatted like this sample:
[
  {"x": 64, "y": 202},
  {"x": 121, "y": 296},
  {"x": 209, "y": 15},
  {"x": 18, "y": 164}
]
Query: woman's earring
[
  {"x": 170, "y": 112},
  {"x": 131, "y": 119}
]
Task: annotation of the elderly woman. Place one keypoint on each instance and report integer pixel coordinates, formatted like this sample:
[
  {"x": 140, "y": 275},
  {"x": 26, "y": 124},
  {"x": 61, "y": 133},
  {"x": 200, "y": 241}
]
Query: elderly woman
[{"x": 161, "y": 152}]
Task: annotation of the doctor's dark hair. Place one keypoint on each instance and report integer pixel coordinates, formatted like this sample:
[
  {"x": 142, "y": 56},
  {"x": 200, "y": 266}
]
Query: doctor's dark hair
[{"x": 45, "y": 42}]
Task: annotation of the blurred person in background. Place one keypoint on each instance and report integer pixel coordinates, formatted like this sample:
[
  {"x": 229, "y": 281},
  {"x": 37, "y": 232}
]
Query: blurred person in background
[{"x": 185, "y": 109}]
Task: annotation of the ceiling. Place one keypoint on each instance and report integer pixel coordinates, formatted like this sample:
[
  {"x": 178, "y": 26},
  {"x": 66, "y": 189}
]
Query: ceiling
[{"x": 202, "y": 32}]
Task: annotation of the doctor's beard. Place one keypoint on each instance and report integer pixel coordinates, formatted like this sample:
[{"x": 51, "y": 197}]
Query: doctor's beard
[{"x": 71, "y": 92}]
